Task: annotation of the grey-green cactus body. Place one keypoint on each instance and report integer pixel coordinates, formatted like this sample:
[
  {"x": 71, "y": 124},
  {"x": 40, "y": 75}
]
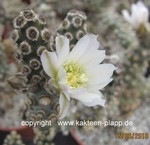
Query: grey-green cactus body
[
  {"x": 121, "y": 29},
  {"x": 31, "y": 37},
  {"x": 42, "y": 105},
  {"x": 3, "y": 64},
  {"x": 73, "y": 26}
]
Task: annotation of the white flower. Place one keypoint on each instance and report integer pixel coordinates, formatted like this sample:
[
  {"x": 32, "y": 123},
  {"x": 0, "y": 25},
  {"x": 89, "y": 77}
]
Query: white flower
[
  {"x": 139, "y": 15},
  {"x": 78, "y": 74}
]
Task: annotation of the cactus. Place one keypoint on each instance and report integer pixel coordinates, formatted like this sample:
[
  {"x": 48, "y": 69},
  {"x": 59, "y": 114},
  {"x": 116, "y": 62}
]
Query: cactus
[
  {"x": 73, "y": 26},
  {"x": 42, "y": 105},
  {"x": 31, "y": 37},
  {"x": 44, "y": 137},
  {"x": 95, "y": 5},
  {"x": 147, "y": 70},
  {"x": 2, "y": 14},
  {"x": 42, "y": 102},
  {"x": 13, "y": 139},
  {"x": 146, "y": 2},
  {"x": 62, "y": 7},
  {"x": 121, "y": 29},
  {"x": 132, "y": 90},
  {"x": 11, "y": 8},
  {"x": 46, "y": 9},
  {"x": 3, "y": 67}
]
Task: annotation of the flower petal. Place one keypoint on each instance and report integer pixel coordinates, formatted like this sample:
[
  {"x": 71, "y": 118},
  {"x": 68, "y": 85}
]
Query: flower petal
[
  {"x": 92, "y": 58},
  {"x": 126, "y": 16},
  {"x": 134, "y": 10},
  {"x": 79, "y": 49},
  {"x": 100, "y": 74},
  {"x": 93, "y": 43},
  {"x": 61, "y": 75},
  {"x": 77, "y": 91},
  {"x": 49, "y": 63},
  {"x": 139, "y": 14},
  {"x": 143, "y": 12},
  {"x": 92, "y": 55},
  {"x": 135, "y": 16},
  {"x": 89, "y": 99},
  {"x": 62, "y": 48},
  {"x": 64, "y": 89},
  {"x": 95, "y": 87},
  {"x": 64, "y": 106}
]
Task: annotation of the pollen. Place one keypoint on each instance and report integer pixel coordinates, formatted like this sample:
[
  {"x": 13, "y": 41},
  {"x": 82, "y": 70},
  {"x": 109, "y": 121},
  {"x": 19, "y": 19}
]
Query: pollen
[{"x": 75, "y": 76}]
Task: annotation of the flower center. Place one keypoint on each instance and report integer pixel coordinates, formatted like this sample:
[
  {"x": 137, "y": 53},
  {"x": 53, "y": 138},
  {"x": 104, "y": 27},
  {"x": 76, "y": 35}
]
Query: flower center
[{"x": 75, "y": 76}]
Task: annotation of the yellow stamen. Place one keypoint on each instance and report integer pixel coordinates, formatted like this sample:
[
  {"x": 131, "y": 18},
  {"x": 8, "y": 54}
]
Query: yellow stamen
[{"x": 75, "y": 76}]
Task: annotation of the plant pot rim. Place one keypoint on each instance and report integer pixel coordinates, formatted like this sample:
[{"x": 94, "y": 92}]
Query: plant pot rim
[
  {"x": 19, "y": 128},
  {"x": 75, "y": 137},
  {"x": 26, "y": 133}
]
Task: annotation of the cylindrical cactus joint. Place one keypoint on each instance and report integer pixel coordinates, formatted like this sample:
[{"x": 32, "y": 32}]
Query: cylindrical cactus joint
[
  {"x": 73, "y": 26},
  {"x": 31, "y": 37}
]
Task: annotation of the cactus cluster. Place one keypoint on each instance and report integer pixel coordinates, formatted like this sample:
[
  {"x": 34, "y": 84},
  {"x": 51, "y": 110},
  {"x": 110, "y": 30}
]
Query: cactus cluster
[
  {"x": 126, "y": 77},
  {"x": 13, "y": 139},
  {"x": 31, "y": 37}
]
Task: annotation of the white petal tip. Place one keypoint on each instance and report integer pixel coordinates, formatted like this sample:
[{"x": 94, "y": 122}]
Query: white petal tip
[
  {"x": 64, "y": 106},
  {"x": 103, "y": 103},
  {"x": 115, "y": 68}
]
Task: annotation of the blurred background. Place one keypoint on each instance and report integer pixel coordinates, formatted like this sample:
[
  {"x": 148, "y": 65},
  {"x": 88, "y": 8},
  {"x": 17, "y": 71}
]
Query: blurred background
[{"x": 123, "y": 29}]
